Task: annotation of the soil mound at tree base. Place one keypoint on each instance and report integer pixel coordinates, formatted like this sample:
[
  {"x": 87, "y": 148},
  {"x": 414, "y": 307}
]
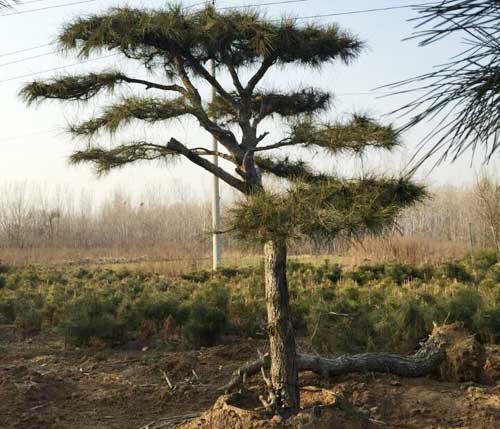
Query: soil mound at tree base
[{"x": 321, "y": 409}]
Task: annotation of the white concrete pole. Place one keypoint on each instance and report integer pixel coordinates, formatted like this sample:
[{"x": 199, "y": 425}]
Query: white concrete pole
[{"x": 216, "y": 252}]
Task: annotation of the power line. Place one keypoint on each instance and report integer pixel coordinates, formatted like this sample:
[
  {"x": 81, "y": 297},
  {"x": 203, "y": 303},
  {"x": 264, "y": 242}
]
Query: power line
[
  {"x": 32, "y": 1},
  {"x": 28, "y": 58},
  {"x": 25, "y": 50},
  {"x": 354, "y": 12},
  {"x": 21, "y": 12},
  {"x": 243, "y": 6},
  {"x": 56, "y": 68},
  {"x": 35, "y": 133}
]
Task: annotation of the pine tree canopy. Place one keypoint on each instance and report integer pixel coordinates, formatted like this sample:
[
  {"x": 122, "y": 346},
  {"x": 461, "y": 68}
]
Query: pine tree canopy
[{"x": 175, "y": 46}]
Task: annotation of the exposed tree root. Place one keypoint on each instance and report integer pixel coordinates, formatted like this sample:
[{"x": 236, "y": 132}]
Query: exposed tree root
[{"x": 435, "y": 355}]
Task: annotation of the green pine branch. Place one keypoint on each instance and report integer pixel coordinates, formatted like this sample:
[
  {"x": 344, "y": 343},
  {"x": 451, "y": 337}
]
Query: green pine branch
[
  {"x": 286, "y": 168},
  {"x": 325, "y": 209},
  {"x": 133, "y": 108},
  {"x": 104, "y": 160},
  {"x": 355, "y": 136}
]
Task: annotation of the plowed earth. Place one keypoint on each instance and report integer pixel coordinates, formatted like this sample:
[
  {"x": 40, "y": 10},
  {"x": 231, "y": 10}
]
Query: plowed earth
[{"x": 44, "y": 385}]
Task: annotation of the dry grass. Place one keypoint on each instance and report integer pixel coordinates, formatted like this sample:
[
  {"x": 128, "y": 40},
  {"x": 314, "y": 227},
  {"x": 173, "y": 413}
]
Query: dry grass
[
  {"x": 409, "y": 250},
  {"x": 173, "y": 259}
]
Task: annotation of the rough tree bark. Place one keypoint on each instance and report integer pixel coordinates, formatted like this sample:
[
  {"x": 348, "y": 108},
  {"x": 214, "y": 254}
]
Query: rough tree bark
[{"x": 284, "y": 378}]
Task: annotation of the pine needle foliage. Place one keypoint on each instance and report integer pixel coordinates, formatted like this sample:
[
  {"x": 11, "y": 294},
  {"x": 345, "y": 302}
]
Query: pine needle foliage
[
  {"x": 175, "y": 45},
  {"x": 463, "y": 94},
  {"x": 326, "y": 209},
  {"x": 354, "y": 136},
  {"x": 133, "y": 108},
  {"x": 72, "y": 87},
  {"x": 7, "y": 4},
  {"x": 105, "y": 160}
]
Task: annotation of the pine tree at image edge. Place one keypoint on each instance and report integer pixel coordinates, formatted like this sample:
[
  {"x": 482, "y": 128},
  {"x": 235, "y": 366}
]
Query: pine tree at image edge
[{"x": 178, "y": 44}]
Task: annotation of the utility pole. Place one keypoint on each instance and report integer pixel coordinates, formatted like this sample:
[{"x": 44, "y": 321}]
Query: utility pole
[
  {"x": 216, "y": 253},
  {"x": 471, "y": 249}
]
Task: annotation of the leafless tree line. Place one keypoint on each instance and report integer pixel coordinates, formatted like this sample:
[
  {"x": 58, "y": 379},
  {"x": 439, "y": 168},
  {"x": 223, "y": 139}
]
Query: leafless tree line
[{"x": 167, "y": 225}]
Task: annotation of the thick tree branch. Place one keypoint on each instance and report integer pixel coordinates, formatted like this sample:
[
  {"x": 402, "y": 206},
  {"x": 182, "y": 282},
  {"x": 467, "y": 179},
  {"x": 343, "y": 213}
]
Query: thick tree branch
[
  {"x": 257, "y": 77},
  {"x": 203, "y": 152},
  {"x": 204, "y": 73},
  {"x": 148, "y": 85},
  {"x": 176, "y": 146},
  {"x": 225, "y": 137},
  {"x": 281, "y": 143},
  {"x": 236, "y": 80}
]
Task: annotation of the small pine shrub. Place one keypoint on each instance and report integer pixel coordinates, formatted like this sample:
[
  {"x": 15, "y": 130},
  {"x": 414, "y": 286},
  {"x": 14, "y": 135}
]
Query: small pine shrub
[
  {"x": 334, "y": 273},
  {"x": 401, "y": 273},
  {"x": 88, "y": 317},
  {"x": 490, "y": 325},
  {"x": 456, "y": 271},
  {"x": 159, "y": 307},
  {"x": 205, "y": 324},
  {"x": 367, "y": 273},
  {"x": 484, "y": 259},
  {"x": 197, "y": 276},
  {"x": 207, "y": 319},
  {"x": 7, "y": 309},
  {"x": 228, "y": 273},
  {"x": 463, "y": 307},
  {"x": 3, "y": 281}
]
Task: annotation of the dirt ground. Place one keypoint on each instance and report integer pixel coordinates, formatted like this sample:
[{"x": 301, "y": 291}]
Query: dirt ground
[{"x": 44, "y": 385}]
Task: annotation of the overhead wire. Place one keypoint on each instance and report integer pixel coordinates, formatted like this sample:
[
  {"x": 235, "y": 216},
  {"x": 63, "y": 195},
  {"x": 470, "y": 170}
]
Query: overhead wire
[
  {"x": 56, "y": 68},
  {"x": 22, "y": 12},
  {"x": 19, "y": 51}
]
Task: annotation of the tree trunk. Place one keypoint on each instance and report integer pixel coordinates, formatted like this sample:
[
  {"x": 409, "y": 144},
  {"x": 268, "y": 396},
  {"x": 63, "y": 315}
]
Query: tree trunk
[{"x": 284, "y": 370}]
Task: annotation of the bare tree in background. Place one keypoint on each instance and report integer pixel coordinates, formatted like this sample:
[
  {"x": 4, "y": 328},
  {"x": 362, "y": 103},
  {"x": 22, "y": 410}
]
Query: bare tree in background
[
  {"x": 487, "y": 193},
  {"x": 463, "y": 94}
]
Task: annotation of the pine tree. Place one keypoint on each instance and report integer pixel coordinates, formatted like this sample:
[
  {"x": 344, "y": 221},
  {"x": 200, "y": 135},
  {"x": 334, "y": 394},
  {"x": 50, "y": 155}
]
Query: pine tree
[
  {"x": 177, "y": 44},
  {"x": 463, "y": 93}
]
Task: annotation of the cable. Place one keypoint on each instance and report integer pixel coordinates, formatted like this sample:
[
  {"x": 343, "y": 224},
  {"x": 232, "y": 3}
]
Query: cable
[
  {"x": 21, "y": 12},
  {"x": 22, "y": 3},
  {"x": 261, "y": 4},
  {"x": 28, "y": 58},
  {"x": 354, "y": 12},
  {"x": 56, "y": 68},
  {"x": 36, "y": 133},
  {"x": 25, "y": 50}
]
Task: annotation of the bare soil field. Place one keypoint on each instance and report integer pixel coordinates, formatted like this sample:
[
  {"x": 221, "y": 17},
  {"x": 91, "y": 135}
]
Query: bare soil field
[{"x": 45, "y": 385}]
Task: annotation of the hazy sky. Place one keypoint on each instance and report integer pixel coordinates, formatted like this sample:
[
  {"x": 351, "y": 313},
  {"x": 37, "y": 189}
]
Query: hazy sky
[{"x": 33, "y": 146}]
